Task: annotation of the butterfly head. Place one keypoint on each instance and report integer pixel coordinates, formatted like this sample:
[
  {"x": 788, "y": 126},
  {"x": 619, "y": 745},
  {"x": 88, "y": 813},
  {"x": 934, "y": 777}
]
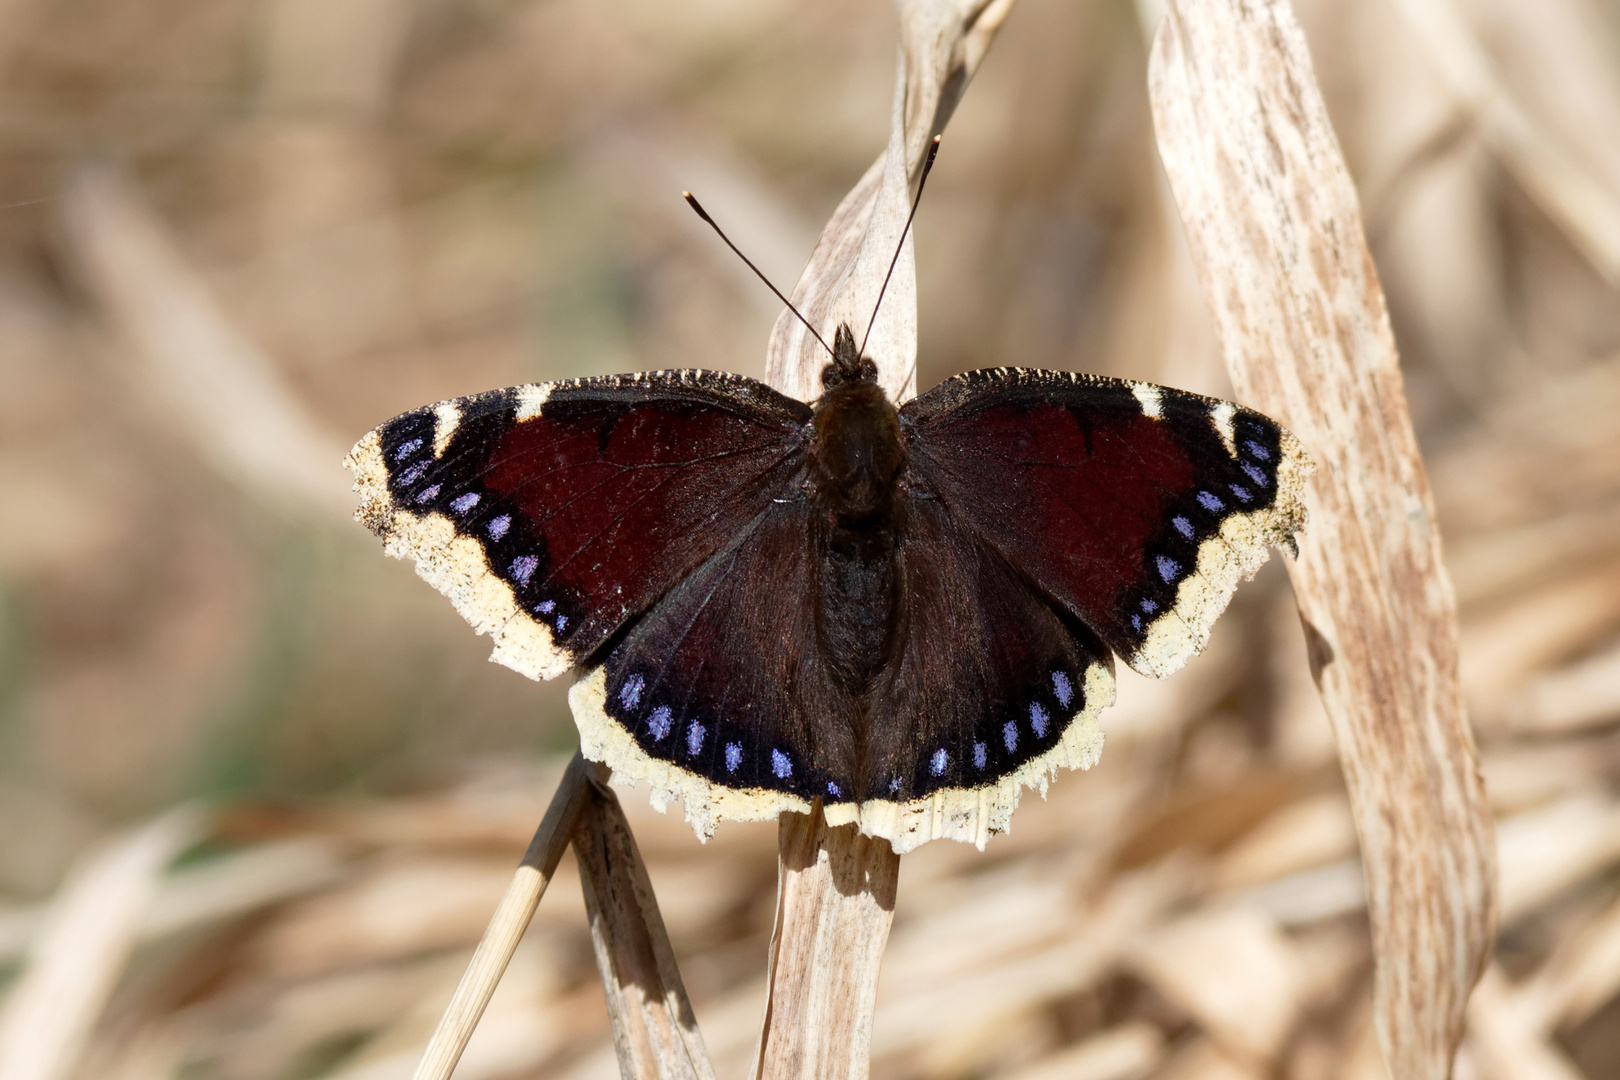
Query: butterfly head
[
  {"x": 848, "y": 365},
  {"x": 857, "y": 455}
]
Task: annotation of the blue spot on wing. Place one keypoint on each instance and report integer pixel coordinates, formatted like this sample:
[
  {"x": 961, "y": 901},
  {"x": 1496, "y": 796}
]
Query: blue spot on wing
[
  {"x": 1062, "y": 688},
  {"x": 523, "y": 568},
  {"x": 630, "y": 692}
]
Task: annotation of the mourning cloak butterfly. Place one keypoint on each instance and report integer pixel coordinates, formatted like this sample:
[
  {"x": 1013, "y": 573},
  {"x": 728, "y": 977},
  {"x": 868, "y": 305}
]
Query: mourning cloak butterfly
[{"x": 908, "y": 614}]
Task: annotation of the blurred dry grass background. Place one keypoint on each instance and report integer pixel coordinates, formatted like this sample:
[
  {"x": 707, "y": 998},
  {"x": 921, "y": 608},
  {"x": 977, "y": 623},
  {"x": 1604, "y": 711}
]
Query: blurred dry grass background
[{"x": 235, "y": 235}]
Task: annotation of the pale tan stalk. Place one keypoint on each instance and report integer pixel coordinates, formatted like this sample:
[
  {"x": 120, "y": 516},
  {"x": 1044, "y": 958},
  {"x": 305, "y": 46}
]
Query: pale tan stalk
[
  {"x": 506, "y": 928},
  {"x": 1275, "y": 231}
]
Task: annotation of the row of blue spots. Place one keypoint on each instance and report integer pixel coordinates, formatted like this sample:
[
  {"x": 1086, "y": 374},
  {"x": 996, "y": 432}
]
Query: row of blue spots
[
  {"x": 1250, "y": 469},
  {"x": 662, "y": 719},
  {"x": 1169, "y": 570},
  {"x": 1149, "y": 606},
  {"x": 522, "y": 569},
  {"x": 546, "y": 607}
]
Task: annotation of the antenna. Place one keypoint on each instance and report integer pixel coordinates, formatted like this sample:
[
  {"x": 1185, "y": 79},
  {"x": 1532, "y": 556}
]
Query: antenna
[
  {"x": 928, "y": 164},
  {"x": 687, "y": 195}
]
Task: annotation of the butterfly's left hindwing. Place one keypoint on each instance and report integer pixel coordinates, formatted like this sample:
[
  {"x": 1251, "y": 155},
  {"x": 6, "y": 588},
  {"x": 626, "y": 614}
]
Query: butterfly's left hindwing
[
  {"x": 1137, "y": 507},
  {"x": 719, "y": 694},
  {"x": 551, "y": 514}
]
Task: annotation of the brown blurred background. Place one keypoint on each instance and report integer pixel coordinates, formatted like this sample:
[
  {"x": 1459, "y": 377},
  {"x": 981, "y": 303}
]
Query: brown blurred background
[{"x": 237, "y": 234}]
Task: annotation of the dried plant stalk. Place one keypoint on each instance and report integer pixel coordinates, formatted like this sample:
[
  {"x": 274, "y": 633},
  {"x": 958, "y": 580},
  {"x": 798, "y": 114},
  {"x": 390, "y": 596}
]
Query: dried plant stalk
[
  {"x": 1275, "y": 231},
  {"x": 834, "y": 904},
  {"x": 506, "y": 928},
  {"x": 942, "y": 43},
  {"x": 654, "y": 1030},
  {"x": 836, "y": 887}
]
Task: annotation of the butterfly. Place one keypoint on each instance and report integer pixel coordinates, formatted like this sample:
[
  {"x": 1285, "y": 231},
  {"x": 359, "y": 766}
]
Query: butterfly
[{"x": 909, "y": 614}]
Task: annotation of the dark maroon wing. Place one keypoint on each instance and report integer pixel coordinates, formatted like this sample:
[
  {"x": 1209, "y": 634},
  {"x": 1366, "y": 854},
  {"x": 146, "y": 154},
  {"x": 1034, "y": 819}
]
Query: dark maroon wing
[
  {"x": 1136, "y": 507},
  {"x": 551, "y": 514}
]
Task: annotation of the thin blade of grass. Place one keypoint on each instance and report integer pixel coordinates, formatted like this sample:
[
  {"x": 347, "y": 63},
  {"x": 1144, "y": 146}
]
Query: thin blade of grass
[{"x": 506, "y": 928}]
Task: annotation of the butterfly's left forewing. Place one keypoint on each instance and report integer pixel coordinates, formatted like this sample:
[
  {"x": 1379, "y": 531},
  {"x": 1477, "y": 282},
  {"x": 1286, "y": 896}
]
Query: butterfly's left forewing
[
  {"x": 554, "y": 513},
  {"x": 1137, "y": 507}
]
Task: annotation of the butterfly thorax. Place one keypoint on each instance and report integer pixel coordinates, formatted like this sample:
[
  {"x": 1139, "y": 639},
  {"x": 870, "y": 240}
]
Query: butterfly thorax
[
  {"x": 856, "y": 461},
  {"x": 856, "y": 457}
]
